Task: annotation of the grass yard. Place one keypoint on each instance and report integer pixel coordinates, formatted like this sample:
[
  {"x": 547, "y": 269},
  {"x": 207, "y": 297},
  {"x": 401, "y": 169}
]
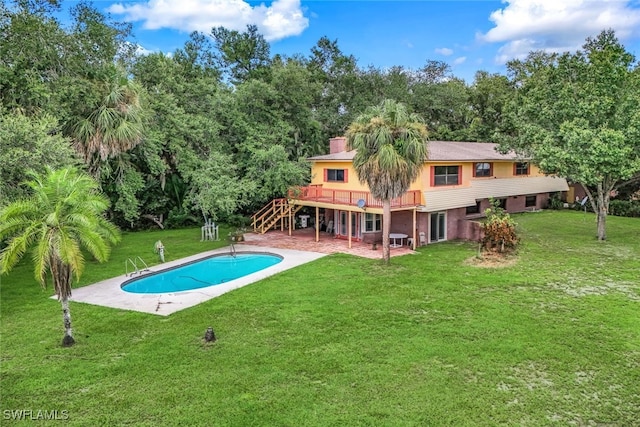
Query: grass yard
[{"x": 553, "y": 340}]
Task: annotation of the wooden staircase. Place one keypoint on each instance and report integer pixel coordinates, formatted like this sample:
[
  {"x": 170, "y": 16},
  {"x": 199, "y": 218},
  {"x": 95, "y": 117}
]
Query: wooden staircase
[{"x": 269, "y": 215}]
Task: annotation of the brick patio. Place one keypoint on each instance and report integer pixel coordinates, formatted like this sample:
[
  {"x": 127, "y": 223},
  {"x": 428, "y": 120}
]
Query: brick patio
[{"x": 304, "y": 240}]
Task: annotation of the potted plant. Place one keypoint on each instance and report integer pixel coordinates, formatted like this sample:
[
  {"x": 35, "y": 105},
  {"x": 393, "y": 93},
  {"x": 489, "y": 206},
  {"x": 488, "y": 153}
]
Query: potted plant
[
  {"x": 240, "y": 223},
  {"x": 237, "y": 235}
]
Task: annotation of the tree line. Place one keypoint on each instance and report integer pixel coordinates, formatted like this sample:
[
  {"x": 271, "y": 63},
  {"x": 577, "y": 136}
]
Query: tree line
[{"x": 220, "y": 126}]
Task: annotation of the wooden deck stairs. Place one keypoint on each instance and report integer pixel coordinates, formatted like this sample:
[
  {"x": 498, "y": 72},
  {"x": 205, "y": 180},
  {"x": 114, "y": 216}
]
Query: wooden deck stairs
[{"x": 269, "y": 216}]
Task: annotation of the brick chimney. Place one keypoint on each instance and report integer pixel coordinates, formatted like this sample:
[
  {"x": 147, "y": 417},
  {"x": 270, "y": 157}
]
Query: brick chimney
[{"x": 337, "y": 144}]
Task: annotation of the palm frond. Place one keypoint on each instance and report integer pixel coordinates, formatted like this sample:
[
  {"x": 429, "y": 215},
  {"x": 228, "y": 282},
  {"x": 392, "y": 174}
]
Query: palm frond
[
  {"x": 390, "y": 146},
  {"x": 64, "y": 214}
]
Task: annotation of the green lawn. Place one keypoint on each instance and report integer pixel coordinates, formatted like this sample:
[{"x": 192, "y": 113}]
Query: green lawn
[{"x": 429, "y": 341}]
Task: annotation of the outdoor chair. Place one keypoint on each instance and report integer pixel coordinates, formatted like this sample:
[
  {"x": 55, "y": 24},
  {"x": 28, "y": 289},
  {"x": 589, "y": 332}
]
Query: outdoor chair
[{"x": 330, "y": 227}]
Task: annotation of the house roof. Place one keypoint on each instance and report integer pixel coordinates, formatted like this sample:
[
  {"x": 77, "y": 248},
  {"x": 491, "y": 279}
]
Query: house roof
[
  {"x": 442, "y": 151},
  {"x": 451, "y": 198}
]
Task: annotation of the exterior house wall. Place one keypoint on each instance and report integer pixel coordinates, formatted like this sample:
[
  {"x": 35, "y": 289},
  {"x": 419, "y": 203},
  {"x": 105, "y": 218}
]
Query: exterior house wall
[
  {"x": 499, "y": 170},
  {"x": 469, "y": 230},
  {"x": 402, "y": 222},
  {"x": 454, "y": 218},
  {"x": 352, "y": 183},
  {"x": 502, "y": 169},
  {"x": 516, "y": 203},
  {"x": 372, "y": 237},
  {"x": 452, "y": 199}
]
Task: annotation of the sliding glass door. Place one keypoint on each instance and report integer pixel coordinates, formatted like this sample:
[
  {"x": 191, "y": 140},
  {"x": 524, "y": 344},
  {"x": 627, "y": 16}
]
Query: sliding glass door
[{"x": 437, "y": 226}]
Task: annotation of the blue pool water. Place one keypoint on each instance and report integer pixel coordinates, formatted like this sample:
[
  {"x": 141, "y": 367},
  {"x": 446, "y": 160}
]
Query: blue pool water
[{"x": 202, "y": 273}]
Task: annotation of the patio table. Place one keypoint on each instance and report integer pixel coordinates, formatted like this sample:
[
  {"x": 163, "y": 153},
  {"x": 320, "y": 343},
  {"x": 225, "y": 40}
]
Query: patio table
[{"x": 396, "y": 236}]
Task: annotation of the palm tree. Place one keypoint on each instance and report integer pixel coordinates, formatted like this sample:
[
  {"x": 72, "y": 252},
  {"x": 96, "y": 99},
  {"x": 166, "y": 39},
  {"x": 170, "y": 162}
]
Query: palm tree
[
  {"x": 391, "y": 147},
  {"x": 62, "y": 217},
  {"x": 109, "y": 121}
]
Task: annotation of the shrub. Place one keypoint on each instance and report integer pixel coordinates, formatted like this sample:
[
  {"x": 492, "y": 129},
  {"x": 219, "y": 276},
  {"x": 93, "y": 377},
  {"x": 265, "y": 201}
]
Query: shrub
[
  {"x": 555, "y": 201},
  {"x": 238, "y": 221},
  {"x": 630, "y": 208},
  {"x": 499, "y": 230}
]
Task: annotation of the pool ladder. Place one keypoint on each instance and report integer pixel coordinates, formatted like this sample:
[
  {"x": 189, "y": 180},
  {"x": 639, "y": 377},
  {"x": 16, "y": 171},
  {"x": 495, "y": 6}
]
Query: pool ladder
[
  {"x": 133, "y": 263},
  {"x": 232, "y": 250}
]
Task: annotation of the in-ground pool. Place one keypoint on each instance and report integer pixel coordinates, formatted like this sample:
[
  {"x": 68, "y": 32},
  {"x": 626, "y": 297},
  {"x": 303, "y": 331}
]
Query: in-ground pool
[{"x": 205, "y": 272}]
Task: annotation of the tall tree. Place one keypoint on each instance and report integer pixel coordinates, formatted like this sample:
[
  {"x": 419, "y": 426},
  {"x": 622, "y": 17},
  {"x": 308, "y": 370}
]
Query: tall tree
[
  {"x": 295, "y": 91},
  {"x": 243, "y": 55},
  {"x": 108, "y": 119},
  {"x": 577, "y": 115},
  {"x": 444, "y": 106},
  {"x": 334, "y": 106},
  {"x": 181, "y": 127},
  {"x": 63, "y": 217},
  {"x": 488, "y": 96},
  {"x": 391, "y": 147},
  {"x": 95, "y": 40},
  {"x": 28, "y": 143},
  {"x": 31, "y": 46}
]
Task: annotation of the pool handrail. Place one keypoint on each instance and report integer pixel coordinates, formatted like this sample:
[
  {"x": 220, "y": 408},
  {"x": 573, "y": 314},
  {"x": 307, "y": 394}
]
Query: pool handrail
[{"x": 136, "y": 270}]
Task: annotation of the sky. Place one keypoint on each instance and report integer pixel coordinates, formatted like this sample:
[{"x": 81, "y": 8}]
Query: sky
[{"x": 468, "y": 35}]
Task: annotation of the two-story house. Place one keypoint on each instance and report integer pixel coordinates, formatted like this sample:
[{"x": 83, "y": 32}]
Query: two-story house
[{"x": 452, "y": 191}]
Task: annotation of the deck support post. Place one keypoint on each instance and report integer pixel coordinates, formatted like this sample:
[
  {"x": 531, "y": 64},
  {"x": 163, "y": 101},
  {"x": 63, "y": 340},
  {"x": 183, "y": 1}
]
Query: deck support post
[
  {"x": 317, "y": 223},
  {"x": 415, "y": 224}
]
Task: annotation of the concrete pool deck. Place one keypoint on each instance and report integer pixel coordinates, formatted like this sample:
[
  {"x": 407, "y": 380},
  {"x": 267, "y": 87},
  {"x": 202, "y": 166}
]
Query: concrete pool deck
[{"x": 108, "y": 293}]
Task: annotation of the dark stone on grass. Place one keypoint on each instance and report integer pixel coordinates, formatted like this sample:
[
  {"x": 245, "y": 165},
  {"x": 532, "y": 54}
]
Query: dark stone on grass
[
  {"x": 209, "y": 336},
  {"x": 68, "y": 341}
]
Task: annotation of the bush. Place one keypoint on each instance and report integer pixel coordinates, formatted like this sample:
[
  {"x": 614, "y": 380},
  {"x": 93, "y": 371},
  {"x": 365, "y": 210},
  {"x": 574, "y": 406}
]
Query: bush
[
  {"x": 238, "y": 221},
  {"x": 178, "y": 218},
  {"x": 555, "y": 201},
  {"x": 499, "y": 230},
  {"x": 630, "y": 208}
]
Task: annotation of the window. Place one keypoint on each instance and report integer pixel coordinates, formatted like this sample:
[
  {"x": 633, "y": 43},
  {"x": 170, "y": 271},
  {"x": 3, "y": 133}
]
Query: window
[
  {"x": 445, "y": 175},
  {"x": 475, "y": 209},
  {"x": 372, "y": 222},
  {"x": 482, "y": 169},
  {"x": 502, "y": 203},
  {"x": 521, "y": 168},
  {"x": 530, "y": 201},
  {"x": 335, "y": 175}
]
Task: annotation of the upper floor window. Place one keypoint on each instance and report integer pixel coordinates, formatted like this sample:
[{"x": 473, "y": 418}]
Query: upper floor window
[
  {"x": 445, "y": 175},
  {"x": 521, "y": 168},
  {"x": 482, "y": 169},
  {"x": 335, "y": 175},
  {"x": 372, "y": 222}
]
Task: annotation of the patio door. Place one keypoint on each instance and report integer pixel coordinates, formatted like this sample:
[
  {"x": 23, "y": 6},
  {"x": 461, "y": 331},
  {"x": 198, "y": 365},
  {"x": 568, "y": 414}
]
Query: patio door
[
  {"x": 355, "y": 224},
  {"x": 343, "y": 227},
  {"x": 343, "y": 223},
  {"x": 437, "y": 226}
]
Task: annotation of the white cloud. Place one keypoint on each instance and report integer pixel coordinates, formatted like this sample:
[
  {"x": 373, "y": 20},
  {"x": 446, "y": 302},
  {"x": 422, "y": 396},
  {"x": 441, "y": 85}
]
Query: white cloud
[
  {"x": 444, "y": 51},
  {"x": 142, "y": 51},
  {"x": 557, "y": 25},
  {"x": 283, "y": 18},
  {"x": 459, "y": 60}
]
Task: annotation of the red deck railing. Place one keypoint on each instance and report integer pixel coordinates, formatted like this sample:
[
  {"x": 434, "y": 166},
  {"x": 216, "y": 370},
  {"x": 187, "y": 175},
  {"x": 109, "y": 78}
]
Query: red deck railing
[{"x": 317, "y": 193}]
